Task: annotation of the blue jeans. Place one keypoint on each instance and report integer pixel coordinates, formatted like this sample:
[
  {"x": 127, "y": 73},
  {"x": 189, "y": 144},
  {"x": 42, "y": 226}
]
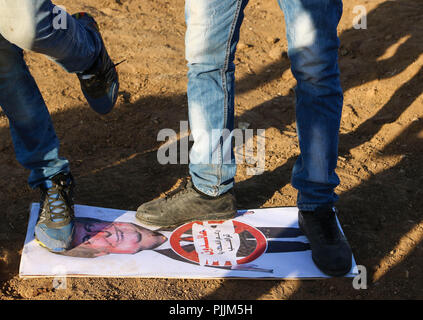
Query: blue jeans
[
  {"x": 29, "y": 24},
  {"x": 212, "y": 35}
]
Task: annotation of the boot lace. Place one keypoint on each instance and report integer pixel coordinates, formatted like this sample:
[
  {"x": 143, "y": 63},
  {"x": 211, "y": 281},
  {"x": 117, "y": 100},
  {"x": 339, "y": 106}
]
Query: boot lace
[{"x": 56, "y": 204}]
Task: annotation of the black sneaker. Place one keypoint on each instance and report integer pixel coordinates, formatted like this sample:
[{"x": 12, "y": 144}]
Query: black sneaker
[
  {"x": 55, "y": 226},
  {"x": 329, "y": 248},
  {"x": 100, "y": 83},
  {"x": 186, "y": 204}
]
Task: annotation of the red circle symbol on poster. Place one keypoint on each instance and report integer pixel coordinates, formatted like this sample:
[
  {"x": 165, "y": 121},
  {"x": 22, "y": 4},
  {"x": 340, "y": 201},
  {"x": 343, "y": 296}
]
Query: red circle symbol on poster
[{"x": 218, "y": 243}]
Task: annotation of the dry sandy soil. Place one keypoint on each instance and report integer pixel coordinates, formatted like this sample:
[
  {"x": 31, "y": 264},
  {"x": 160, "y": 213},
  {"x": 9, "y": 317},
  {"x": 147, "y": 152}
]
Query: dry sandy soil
[{"x": 114, "y": 157}]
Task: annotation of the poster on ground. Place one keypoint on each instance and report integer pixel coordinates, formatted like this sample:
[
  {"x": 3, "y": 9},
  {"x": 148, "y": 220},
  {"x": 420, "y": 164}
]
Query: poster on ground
[{"x": 259, "y": 243}]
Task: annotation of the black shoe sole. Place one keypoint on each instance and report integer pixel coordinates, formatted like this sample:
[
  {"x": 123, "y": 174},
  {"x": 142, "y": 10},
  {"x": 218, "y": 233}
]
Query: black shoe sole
[{"x": 336, "y": 273}]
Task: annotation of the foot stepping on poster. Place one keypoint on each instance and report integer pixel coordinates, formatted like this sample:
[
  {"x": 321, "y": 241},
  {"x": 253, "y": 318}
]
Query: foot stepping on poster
[{"x": 257, "y": 243}]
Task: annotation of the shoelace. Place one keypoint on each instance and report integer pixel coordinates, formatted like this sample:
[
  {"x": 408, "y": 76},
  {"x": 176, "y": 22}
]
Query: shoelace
[
  {"x": 108, "y": 74},
  {"x": 96, "y": 83},
  {"x": 56, "y": 205},
  {"x": 182, "y": 189}
]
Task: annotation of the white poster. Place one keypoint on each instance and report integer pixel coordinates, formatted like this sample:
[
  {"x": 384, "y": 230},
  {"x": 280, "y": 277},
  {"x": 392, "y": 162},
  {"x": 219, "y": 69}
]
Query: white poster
[{"x": 259, "y": 243}]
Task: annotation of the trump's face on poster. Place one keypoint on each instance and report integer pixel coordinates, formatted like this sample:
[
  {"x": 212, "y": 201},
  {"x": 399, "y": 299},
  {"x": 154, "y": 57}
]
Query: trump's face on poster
[{"x": 95, "y": 238}]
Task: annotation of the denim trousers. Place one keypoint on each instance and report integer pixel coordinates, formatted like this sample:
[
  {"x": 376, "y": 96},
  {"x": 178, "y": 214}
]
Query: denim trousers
[
  {"x": 213, "y": 30},
  {"x": 35, "y": 25}
]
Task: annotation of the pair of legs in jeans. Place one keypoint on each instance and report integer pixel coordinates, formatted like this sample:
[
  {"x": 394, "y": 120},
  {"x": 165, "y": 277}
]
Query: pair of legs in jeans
[
  {"x": 212, "y": 35},
  {"x": 213, "y": 29},
  {"x": 78, "y": 48}
]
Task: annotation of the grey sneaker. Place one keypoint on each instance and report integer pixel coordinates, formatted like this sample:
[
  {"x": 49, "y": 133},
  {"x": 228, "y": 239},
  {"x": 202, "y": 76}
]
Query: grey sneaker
[
  {"x": 186, "y": 204},
  {"x": 55, "y": 226}
]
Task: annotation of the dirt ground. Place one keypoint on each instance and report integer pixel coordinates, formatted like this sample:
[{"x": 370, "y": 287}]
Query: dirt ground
[{"x": 114, "y": 160}]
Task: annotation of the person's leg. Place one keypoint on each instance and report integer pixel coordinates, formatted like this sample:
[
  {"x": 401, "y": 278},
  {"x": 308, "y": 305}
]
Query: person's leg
[
  {"x": 73, "y": 42},
  {"x": 33, "y": 25},
  {"x": 35, "y": 141},
  {"x": 36, "y": 147},
  {"x": 211, "y": 38},
  {"x": 311, "y": 27}
]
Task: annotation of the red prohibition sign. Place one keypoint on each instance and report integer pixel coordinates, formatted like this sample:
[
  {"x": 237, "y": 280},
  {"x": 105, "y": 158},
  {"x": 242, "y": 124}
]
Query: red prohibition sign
[{"x": 176, "y": 239}]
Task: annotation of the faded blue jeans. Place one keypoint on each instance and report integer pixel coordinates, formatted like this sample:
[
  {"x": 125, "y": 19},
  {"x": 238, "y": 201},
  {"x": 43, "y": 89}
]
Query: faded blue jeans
[
  {"x": 29, "y": 24},
  {"x": 212, "y": 35}
]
